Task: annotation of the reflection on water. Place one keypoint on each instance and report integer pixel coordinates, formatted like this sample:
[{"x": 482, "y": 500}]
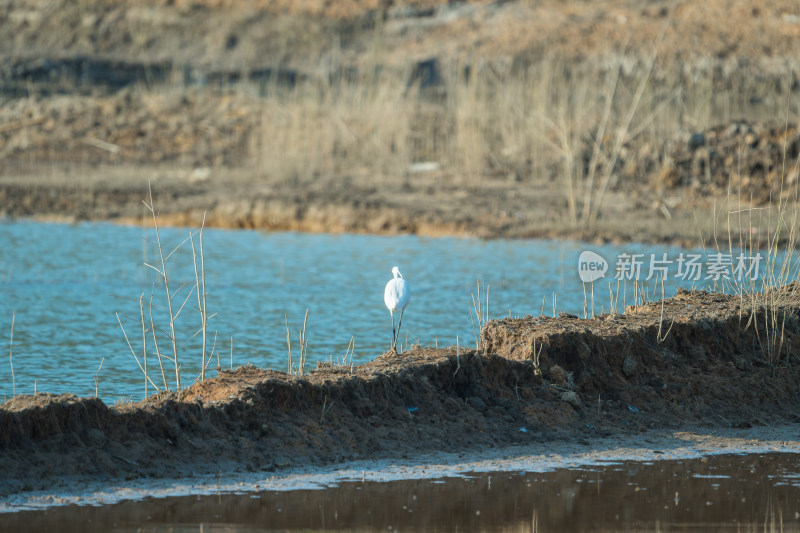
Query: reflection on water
[
  {"x": 730, "y": 493},
  {"x": 66, "y": 282}
]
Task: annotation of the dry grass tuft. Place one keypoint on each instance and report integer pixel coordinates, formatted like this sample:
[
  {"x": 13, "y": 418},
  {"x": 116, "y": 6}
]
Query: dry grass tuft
[{"x": 173, "y": 313}]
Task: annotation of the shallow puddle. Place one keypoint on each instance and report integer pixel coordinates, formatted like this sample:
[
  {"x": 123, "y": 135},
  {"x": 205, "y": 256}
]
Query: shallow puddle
[{"x": 727, "y": 492}]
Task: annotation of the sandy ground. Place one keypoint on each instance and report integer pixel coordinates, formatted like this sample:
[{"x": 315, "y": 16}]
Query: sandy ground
[{"x": 649, "y": 446}]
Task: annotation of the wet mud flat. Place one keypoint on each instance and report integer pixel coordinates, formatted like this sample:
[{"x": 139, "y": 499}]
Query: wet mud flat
[{"x": 698, "y": 359}]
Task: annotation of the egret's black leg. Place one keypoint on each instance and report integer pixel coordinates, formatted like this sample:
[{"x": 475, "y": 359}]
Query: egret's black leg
[
  {"x": 394, "y": 332},
  {"x": 398, "y": 327}
]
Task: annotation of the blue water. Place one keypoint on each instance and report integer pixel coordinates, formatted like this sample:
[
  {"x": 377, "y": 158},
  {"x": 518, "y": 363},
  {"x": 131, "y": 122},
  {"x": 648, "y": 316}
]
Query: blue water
[{"x": 64, "y": 285}]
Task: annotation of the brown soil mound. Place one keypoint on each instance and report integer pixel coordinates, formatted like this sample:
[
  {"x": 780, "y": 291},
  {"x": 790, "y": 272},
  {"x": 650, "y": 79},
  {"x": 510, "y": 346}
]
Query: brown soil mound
[{"x": 699, "y": 359}]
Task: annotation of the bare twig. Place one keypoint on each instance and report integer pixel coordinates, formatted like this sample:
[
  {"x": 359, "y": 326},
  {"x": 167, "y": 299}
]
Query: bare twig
[
  {"x": 659, "y": 338},
  {"x": 481, "y": 310},
  {"x": 144, "y": 342},
  {"x": 11, "y": 354},
  {"x": 211, "y": 354},
  {"x": 593, "y": 163},
  {"x": 623, "y": 132},
  {"x": 351, "y": 348},
  {"x": 163, "y": 272},
  {"x": 97, "y": 379},
  {"x": 132, "y": 351},
  {"x": 213, "y": 349},
  {"x": 303, "y": 346},
  {"x": 155, "y": 341},
  {"x": 288, "y": 342},
  {"x": 458, "y": 358},
  {"x": 201, "y": 297}
]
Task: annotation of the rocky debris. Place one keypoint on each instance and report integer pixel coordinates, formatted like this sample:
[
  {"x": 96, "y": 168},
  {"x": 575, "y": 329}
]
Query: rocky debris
[
  {"x": 192, "y": 130},
  {"x": 754, "y": 161}
]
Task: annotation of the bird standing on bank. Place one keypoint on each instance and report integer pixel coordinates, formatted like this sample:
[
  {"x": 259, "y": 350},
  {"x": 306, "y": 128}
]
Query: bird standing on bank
[{"x": 396, "y": 297}]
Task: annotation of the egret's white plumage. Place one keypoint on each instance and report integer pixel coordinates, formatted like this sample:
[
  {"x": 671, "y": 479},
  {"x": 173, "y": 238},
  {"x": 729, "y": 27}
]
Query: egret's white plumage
[{"x": 396, "y": 297}]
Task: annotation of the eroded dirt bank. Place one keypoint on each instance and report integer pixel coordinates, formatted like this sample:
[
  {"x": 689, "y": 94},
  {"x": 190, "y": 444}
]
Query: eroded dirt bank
[
  {"x": 680, "y": 191},
  {"x": 699, "y": 361}
]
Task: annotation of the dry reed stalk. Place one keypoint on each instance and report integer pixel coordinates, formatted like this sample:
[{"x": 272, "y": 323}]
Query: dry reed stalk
[
  {"x": 624, "y": 295},
  {"x": 155, "y": 341},
  {"x": 303, "y": 346},
  {"x": 133, "y": 353},
  {"x": 213, "y": 349},
  {"x": 596, "y": 148},
  {"x": 144, "y": 341},
  {"x": 659, "y": 338},
  {"x": 314, "y": 130},
  {"x": 567, "y": 136},
  {"x": 476, "y": 335},
  {"x": 351, "y": 348},
  {"x": 458, "y": 358},
  {"x": 469, "y": 110},
  {"x": 288, "y": 342},
  {"x": 11, "y": 356},
  {"x": 97, "y": 379},
  {"x": 623, "y": 133},
  {"x": 549, "y": 119},
  {"x": 165, "y": 278},
  {"x": 585, "y": 301},
  {"x": 771, "y": 297},
  {"x": 302, "y": 339},
  {"x": 200, "y": 284},
  {"x": 481, "y": 310}
]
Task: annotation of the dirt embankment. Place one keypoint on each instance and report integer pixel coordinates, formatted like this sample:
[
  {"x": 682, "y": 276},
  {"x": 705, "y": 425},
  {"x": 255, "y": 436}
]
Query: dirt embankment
[
  {"x": 666, "y": 193},
  {"x": 703, "y": 358}
]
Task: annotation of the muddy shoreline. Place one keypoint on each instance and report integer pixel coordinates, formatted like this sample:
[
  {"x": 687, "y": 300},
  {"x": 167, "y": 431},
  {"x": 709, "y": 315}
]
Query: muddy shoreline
[
  {"x": 566, "y": 455},
  {"x": 482, "y": 211},
  {"x": 611, "y": 376}
]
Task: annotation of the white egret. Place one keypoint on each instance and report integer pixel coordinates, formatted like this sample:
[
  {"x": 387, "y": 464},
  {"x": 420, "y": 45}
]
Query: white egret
[{"x": 396, "y": 297}]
